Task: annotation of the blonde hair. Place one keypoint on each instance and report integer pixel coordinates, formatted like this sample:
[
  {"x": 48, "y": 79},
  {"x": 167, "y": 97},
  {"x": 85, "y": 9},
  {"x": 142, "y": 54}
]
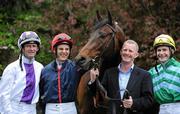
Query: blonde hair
[{"x": 131, "y": 42}]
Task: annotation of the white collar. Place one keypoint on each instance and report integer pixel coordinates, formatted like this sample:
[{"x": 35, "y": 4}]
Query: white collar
[{"x": 27, "y": 60}]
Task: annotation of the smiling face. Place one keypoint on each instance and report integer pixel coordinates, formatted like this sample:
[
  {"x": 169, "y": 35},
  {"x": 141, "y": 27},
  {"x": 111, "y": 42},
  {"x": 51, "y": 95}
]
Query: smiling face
[
  {"x": 163, "y": 53},
  {"x": 129, "y": 52},
  {"x": 63, "y": 52},
  {"x": 30, "y": 50}
]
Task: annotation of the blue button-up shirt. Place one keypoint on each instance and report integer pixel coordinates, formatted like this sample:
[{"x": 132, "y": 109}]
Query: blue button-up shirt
[{"x": 123, "y": 79}]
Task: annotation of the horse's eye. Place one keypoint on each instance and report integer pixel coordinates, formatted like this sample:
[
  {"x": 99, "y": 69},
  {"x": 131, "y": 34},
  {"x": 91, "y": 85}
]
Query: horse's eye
[{"x": 102, "y": 35}]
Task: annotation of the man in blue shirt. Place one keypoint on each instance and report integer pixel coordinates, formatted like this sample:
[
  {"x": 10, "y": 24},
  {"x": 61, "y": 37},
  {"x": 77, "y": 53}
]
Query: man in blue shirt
[{"x": 128, "y": 76}]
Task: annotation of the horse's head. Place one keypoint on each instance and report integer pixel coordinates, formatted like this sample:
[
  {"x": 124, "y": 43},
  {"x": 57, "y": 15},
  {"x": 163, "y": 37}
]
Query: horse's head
[{"x": 104, "y": 40}]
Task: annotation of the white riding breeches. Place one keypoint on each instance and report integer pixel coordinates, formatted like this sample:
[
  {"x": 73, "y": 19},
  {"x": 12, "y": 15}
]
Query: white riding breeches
[
  {"x": 61, "y": 108},
  {"x": 22, "y": 108},
  {"x": 170, "y": 108}
]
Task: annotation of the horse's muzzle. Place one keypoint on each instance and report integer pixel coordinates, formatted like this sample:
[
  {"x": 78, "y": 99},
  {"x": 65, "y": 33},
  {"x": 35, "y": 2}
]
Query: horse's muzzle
[{"x": 84, "y": 63}]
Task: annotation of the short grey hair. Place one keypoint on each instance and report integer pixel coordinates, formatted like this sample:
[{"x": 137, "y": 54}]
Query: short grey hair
[{"x": 131, "y": 42}]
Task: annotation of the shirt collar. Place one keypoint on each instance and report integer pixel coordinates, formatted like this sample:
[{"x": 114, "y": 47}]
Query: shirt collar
[
  {"x": 26, "y": 60},
  {"x": 168, "y": 63},
  {"x": 61, "y": 64},
  {"x": 129, "y": 70}
]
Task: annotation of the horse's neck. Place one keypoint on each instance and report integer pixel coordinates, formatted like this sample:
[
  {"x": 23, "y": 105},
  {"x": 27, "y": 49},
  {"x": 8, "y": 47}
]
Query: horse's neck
[{"x": 107, "y": 63}]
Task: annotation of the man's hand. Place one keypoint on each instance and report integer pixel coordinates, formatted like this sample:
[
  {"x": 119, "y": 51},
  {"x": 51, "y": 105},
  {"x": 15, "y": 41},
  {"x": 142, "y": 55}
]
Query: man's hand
[
  {"x": 93, "y": 75},
  {"x": 127, "y": 103}
]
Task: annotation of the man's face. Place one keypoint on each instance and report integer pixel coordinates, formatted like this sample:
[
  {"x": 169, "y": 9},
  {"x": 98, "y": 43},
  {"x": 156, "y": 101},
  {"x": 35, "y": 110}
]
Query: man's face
[
  {"x": 163, "y": 53},
  {"x": 63, "y": 52},
  {"x": 128, "y": 53},
  {"x": 30, "y": 50}
]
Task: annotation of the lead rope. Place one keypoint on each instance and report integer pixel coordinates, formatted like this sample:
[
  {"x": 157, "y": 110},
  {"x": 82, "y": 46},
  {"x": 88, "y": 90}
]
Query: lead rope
[{"x": 96, "y": 62}]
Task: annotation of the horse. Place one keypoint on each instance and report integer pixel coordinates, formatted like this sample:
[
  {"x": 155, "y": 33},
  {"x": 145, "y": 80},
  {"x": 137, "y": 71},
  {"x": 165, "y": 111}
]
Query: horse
[{"x": 102, "y": 50}]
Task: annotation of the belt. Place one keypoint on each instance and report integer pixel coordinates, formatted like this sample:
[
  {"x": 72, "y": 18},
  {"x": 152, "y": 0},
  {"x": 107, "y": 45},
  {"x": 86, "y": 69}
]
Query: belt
[{"x": 63, "y": 101}]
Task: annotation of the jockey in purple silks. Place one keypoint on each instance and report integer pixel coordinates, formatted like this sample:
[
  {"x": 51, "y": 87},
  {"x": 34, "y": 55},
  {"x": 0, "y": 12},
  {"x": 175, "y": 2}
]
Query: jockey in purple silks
[{"x": 19, "y": 85}]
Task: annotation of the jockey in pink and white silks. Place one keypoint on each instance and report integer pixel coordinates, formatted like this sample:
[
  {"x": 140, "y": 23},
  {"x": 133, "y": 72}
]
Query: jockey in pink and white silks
[{"x": 19, "y": 86}]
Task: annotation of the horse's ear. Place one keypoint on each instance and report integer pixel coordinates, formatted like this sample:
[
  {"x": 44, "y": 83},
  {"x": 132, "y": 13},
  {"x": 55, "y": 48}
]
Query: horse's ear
[
  {"x": 99, "y": 18},
  {"x": 109, "y": 17}
]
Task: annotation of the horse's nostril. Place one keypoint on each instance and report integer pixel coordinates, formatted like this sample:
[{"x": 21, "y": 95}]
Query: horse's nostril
[{"x": 82, "y": 59}]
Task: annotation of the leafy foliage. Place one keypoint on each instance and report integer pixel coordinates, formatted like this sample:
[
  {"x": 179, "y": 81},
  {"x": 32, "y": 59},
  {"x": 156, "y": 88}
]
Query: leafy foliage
[{"x": 140, "y": 19}]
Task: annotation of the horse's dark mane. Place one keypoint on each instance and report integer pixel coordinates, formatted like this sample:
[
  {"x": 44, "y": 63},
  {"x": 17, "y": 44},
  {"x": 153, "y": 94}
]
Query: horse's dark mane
[{"x": 107, "y": 63}]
